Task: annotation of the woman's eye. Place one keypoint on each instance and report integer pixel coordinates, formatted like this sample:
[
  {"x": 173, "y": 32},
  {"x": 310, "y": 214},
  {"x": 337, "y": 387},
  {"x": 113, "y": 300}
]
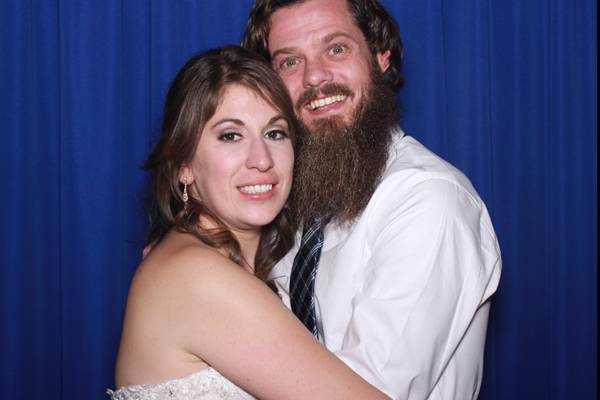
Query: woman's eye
[
  {"x": 276, "y": 134},
  {"x": 229, "y": 136}
]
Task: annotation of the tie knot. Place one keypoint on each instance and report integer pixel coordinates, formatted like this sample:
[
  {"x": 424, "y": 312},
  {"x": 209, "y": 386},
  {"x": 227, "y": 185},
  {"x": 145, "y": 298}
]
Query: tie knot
[
  {"x": 317, "y": 224},
  {"x": 313, "y": 234}
]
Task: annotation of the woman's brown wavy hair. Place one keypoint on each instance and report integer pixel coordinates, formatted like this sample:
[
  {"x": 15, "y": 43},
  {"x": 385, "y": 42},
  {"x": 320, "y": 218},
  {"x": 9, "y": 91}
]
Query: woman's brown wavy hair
[{"x": 191, "y": 101}]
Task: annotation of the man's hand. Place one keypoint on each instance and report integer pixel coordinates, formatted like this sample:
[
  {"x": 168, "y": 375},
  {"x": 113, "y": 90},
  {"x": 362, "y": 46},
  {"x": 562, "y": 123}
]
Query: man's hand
[{"x": 148, "y": 249}]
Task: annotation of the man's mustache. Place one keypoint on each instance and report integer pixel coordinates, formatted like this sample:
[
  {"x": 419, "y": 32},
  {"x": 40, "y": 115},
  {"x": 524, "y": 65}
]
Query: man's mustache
[{"x": 330, "y": 89}]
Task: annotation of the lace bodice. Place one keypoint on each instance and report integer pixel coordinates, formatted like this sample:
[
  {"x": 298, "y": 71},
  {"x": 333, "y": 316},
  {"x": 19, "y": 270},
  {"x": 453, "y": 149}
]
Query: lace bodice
[{"x": 207, "y": 384}]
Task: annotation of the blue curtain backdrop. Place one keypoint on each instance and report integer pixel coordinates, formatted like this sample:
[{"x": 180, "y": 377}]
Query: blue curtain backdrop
[{"x": 506, "y": 90}]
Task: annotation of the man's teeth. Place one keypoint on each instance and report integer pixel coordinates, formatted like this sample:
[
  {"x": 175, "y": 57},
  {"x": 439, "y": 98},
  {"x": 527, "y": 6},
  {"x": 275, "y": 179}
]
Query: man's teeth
[
  {"x": 313, "y": 105},
  {"x": 255, "y": 189}
]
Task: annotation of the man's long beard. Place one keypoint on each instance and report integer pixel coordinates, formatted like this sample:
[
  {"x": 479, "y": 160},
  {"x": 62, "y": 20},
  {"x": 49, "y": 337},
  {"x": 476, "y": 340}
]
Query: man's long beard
[{"x": 339, "y": 166}]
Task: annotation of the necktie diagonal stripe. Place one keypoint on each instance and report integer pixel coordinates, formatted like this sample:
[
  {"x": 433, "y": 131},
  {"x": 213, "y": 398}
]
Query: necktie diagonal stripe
[{"x": 302, "y": 280}]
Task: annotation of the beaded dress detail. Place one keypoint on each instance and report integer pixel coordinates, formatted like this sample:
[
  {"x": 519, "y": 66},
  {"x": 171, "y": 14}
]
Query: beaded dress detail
[{"x": 207, "y": 384}]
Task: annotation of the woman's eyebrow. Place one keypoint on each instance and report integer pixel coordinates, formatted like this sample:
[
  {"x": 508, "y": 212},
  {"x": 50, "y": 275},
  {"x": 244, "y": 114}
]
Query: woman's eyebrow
[
  {"x": 276, "y": 119},
  {"x": 231, "y": 120}
]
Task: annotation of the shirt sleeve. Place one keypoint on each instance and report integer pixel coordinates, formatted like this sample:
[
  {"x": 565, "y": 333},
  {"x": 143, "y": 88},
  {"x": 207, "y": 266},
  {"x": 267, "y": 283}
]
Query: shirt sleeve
[{"x": 434, "y": 261}]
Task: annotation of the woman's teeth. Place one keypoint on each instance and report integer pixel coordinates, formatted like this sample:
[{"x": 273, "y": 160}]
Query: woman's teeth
[{"x": 256, "y": 189}]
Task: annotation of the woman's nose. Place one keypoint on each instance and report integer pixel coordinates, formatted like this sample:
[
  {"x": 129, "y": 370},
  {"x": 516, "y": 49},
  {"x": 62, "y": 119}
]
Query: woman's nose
[{"x": 259, "y": 156}]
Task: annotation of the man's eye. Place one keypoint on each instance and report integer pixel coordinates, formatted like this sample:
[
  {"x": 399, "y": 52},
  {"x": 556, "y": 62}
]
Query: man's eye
[
  {"x": 338, "y": 49},
  {"x": 288, "y": 63},
  {"x": 229, "y": 137},
  {"x": 276, "y": 134}
]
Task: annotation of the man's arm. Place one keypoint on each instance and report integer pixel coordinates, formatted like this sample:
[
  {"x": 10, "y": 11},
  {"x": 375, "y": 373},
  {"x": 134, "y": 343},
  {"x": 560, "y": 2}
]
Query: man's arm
[{"x": 421, "y": 314}]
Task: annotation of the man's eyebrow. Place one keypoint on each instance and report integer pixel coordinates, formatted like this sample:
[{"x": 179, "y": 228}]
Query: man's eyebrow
[
  {"x": 334, "y": 35},
  {"x": 285, "y": 50}
]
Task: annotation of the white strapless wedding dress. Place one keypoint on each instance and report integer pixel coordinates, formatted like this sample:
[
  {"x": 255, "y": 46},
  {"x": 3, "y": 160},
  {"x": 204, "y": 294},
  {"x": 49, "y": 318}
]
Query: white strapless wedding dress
[{"x": 207, "y": 384}]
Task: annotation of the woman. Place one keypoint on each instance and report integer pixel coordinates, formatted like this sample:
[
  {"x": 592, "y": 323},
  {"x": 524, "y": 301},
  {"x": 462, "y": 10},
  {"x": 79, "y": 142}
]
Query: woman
[{"x": 198, "y": 304}]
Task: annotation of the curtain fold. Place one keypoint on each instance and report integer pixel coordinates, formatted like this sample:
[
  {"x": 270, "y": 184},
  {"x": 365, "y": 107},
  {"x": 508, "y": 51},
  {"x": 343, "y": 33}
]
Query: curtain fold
[{"x": 505, "y": 90}]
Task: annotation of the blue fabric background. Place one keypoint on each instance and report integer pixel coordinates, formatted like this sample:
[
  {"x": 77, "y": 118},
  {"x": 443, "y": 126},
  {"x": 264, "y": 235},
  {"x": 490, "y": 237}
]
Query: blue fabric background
[{"x": 505, "y": 90}]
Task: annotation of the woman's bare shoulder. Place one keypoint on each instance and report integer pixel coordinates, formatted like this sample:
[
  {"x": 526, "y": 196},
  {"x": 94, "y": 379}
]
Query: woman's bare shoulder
[
  {"x": 184, "y": 264},
  {"x": 180, "y": 253}
]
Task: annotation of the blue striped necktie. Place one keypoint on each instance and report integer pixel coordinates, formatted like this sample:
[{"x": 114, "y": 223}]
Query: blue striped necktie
[{"x": 302, "y": 280}]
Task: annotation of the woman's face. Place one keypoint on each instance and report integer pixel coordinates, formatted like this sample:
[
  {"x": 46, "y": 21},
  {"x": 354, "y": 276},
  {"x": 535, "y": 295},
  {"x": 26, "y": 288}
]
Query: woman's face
[{"x": 242, "y": 168}]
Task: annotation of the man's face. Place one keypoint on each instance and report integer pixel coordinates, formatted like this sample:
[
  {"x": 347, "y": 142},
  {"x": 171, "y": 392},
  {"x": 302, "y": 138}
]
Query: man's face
[{"x": 323, "y": 58}]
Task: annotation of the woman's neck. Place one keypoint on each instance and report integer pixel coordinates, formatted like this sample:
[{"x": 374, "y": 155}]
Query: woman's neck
[{"x": 247, "y": 239}]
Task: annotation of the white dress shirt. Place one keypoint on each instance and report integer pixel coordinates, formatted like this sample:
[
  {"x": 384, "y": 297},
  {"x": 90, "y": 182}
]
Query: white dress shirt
[{"x": 402, "y": 294}]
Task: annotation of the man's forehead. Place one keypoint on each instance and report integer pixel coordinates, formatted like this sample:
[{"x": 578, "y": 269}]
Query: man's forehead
[{"x": 314, "y": 21}]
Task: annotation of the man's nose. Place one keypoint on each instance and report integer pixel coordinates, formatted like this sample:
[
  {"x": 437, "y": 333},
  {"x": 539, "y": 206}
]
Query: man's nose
[
  {"x": 259, "y": 156},
  {"x": 316, "y": 73}
]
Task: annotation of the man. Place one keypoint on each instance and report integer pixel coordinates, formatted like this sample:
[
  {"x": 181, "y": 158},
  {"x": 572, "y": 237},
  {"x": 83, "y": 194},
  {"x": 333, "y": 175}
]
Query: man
[{"x": 409, "y": 258}]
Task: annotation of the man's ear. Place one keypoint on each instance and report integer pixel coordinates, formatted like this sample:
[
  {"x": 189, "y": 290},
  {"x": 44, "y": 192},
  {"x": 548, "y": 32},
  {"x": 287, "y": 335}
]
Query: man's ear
[
  {"x": 383, "y": 59},
  {"x": 185, "y": 175}
]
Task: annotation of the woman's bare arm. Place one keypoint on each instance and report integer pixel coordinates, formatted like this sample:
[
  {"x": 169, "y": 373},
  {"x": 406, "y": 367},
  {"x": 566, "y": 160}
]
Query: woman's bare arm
[{"x": 242, "y": 329}]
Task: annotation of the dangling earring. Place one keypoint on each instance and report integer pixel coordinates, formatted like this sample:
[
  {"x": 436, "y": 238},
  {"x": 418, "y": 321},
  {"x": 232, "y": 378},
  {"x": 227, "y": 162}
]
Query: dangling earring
[{"x": 185, "y": 193}]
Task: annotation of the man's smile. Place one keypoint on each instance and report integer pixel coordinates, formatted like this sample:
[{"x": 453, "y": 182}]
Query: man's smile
[{"x": 326, "y": 101}]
